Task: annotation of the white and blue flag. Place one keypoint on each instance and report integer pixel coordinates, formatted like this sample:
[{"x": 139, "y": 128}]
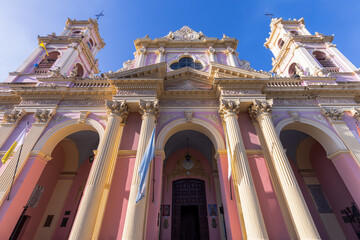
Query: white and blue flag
[
  {"x": 144, "y": 167},
  {"x": 229, "y": 155}
]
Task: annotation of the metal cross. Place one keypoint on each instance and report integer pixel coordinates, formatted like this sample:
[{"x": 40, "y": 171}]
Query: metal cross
[
  {"x": 99, "y": 15},
  {"x": 270, "y": 15}
]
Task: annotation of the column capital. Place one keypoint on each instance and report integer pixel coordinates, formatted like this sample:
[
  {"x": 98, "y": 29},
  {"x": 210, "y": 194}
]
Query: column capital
[
  {"x": 229, "y": 107},
  {"x": 229, "y": 50},
  {"x": 119, "y": 108},
  {"x": 211, "y": 50},
  {"x": 13, "y": 115},
  {"x": 142, "y": 50},
  {"x": 334, "y": 115},
  {"x": 259, "y": 108},
  {"x": 356, "y": 113},
  {"x": 43, "y": 115},
  {"x": 149, "y": 107},
  {"x": 161, "y": 50}
]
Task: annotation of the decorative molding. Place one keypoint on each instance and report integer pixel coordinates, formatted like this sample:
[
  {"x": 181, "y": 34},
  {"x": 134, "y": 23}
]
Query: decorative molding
[
  {"x": 294, "y": 115},
  {"x": 135, "y": 92},
  {"x": 226, "y": 92},
  {"x": 165, "y": 117},
  {"x": 260, "y": 107},
  {"x": 149, "y": 107},
  {"x": 82, "y": 103},
  {"x": 119, "y": 108},
  {"x": 295, "y": 102},
  {"x": 334, "y": 115},
  {"x": 83, "y": 116},
  {"x": 188, "y": 116},
  {"x": 215, "y": 118},
  {"x": 185, "y": 102}
]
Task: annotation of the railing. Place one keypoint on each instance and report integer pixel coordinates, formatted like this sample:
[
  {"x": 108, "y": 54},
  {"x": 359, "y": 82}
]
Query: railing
[
  {"x": 91, "y": 84},
  {"x": 284, "y": 84}
]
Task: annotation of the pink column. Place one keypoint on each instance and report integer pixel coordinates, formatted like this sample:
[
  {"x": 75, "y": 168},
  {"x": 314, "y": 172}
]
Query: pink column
[
  {"x": 153, "y": 218},
  {"x": 10, "y": 210},
  {"x": 232, "y": 221},
  {"x": 349, "y": 171}
]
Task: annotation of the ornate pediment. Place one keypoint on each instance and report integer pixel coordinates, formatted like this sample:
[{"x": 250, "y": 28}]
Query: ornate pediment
[
  {"x": 218, "y": 70},
  {"x": 151, "y": 71},
  {"x": 185, "y": 33},
  {"x": 187, "y": 79}
]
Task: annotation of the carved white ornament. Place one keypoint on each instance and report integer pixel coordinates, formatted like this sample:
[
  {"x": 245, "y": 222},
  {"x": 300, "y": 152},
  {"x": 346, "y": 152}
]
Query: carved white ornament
[
  {"x": 334, "y": 114},
  {"x": 185, "y": 33}
]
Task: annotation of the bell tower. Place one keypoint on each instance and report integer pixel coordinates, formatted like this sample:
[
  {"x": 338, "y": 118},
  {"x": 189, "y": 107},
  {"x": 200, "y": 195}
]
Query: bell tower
[
  {"x": 299, "y": 53},
  {"x": 70, "y": 54}
]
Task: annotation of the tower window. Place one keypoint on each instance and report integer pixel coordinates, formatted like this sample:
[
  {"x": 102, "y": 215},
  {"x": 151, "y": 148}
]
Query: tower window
[
  {"x": 186, "y": 62},
  {"x": 280, "y": 43},
  {"x": 324, "y": 60},
  {"x": 294, "y": 33},
  {"x": 47, "y": 62},
  {"x": 77, "y": 71},
  {"x": 74, "y": 33}
]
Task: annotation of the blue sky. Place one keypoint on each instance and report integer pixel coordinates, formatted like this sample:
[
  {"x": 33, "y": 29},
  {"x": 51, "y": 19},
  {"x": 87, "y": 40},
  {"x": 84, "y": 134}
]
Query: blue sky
[{"x": 124, "y": 21}]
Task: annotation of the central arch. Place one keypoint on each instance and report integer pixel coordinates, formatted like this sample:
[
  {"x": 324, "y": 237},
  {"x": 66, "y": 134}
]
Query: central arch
[{"x": 197, "y": 125}]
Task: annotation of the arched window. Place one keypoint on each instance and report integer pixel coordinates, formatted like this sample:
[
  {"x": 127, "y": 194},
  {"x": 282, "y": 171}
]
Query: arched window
[
  {"x": 186, "y": 62},
  {"x": 324, "y": 60},
  {"x": 292, "y": 70},
  {"x": 47, "y": 62},
  {"x": 280, "y": 43},
  {"x": 80, "y": 70},
  {"x": 74, "y": 33}
]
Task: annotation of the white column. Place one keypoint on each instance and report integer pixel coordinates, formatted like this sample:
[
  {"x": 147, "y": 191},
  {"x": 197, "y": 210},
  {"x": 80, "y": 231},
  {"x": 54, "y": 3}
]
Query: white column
[
  {"x": 141, "y": 57},
  {"x": 302, "y": 220},
  {"x": 67, "y": 59},
  {"x": 230, "y": 53},
  {"x": 212, "y": 54},
  {"x": 160, "y": 55},
  {"x": 88, "y": 211},
  {"x": 249, "y": 204},
  {"x": 136, "y": 214}
]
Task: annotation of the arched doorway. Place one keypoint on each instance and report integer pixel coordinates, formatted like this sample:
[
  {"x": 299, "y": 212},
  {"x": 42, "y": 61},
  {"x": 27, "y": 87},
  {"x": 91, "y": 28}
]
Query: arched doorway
[
  {"x": 191, "y": 193},
  {"x": 61, "y": 182},
  {"x": 322, "y": 186}
]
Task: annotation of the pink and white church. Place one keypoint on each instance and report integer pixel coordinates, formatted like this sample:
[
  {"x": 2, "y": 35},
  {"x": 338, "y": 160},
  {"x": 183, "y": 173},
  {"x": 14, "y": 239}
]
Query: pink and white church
[{"x": 290, "y": 138}]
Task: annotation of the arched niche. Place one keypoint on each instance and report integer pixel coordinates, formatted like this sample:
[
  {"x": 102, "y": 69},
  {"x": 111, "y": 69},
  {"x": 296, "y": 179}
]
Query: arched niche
[{"x": 325, "y": 136}]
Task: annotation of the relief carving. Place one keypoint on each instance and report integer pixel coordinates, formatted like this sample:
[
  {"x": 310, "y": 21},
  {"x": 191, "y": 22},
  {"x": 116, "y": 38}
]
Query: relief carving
[
  {"x": 229, "y": 107},
  {"x": 43, "y": 115},
  {"x": 260, "y": 107},
  {"x": 149, "y": 107},
  {"x": 333, "y": 115},
  {"x": 12, "y": 116},
  {"x": 119, "y": 108}
]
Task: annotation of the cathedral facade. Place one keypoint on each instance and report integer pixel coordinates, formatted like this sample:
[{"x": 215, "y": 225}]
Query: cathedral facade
[{"x": 237, "y": 153}]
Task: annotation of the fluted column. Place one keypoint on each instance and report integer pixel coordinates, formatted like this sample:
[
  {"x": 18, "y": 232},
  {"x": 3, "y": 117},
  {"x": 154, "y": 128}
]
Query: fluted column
[
  {"x": 302, "y": 220},
  {"x": 160, "y": 55},
  {"x": 141, "y": 57},
  {"x": 249, "y": 204},
  {"x": 88, "y": 210},
  {"x": 135, "y": 220},
  {"x": 230, "y": 53},
  {"x": 212, "y": 54}
]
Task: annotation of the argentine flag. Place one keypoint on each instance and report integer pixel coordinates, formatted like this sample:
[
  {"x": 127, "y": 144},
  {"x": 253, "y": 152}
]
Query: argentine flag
[
  {"x": 15, "y": 146},
  {"x": 144, "y": 167},
  {"x": 229, "y": 155}
]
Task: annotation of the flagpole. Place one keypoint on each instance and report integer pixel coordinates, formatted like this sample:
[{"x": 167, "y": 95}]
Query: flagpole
[
  {"x": 153, "y": 180},
  {"x": 17, "y": 163}
]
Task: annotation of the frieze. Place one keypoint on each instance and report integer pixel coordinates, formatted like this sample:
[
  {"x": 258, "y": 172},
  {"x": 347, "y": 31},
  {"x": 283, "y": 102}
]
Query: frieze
[
  {"x": 335, "y": 101},
  {"x": 321, "y": 83},
  {"x": 135, "y": 92},
  {"x": 295, "y": 102},
  {"x": 316, "y": 116},
  {"x": 39, "y": 102},
  {"x": 4, "y": 107},
  {"x": 240, "y": 91},
  {"x": 182, "y": 102},
  {"x": 82, "y": 103},
  {"x": 185, "y": 33}
]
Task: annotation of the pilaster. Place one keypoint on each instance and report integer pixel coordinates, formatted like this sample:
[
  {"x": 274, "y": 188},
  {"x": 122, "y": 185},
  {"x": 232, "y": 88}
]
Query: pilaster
[
  {"x": 91, "y": 210},
  {"x": 230, "y": 53},
  {"x": 242, "y": 178},
  {"x": 335, "y": 117},
  {"x": 260, "y": 111},
  {"x": 136, "y": 214},
  {"x": 212, "y": 54},
  {"x": 11, "y": 119},
  {"x": 160, "y": 55}
]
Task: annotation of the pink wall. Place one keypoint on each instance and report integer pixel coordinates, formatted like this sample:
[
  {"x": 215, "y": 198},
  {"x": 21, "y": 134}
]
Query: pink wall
[
  {"x": 309, "y": 201},
  {"x": 214, "y": 233},
  {"x": 72, "y": 201},
  {"x": 11, "y": 209},
  {"x": 248, "y": 132},
  {"x": 232, "y": 221},
  {"x": 270, "y": 208},
  {"x": 332, "y": 185},
  {"x": 48, "y": 179}
]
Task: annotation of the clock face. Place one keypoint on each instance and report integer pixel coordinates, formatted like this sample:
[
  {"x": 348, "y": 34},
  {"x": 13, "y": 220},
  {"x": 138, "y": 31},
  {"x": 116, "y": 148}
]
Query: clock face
[{"x": 188, "y": 164}]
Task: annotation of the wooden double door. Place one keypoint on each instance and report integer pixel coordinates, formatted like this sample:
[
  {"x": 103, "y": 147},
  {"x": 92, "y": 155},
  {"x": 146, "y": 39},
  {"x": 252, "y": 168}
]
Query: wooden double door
[{"x": 189, "y": 210}]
